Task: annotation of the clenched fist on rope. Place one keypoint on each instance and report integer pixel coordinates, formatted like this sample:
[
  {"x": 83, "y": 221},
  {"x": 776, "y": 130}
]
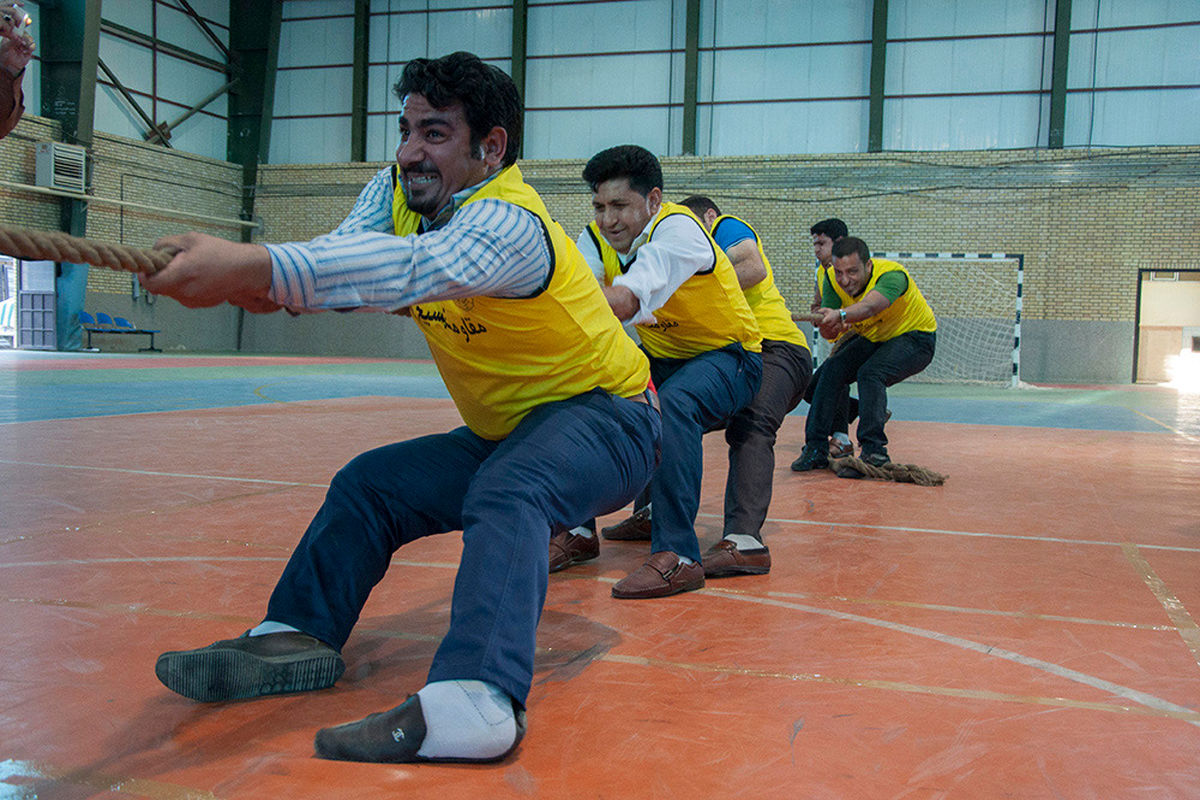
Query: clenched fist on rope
[{"x": 207, "y": 271}]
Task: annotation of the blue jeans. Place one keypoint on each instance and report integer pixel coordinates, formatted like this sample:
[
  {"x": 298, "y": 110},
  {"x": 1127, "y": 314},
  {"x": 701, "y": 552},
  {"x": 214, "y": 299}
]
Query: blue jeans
[
  {"x": 697, "y": 394},
  {"x": 565, "y": 461}
]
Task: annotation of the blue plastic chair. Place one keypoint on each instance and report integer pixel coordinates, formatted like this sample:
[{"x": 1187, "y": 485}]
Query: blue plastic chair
[
  {"x": 121, "y": 322},
  {"x": 86, "y": 319},
  {"x": 103, "y": 319}
]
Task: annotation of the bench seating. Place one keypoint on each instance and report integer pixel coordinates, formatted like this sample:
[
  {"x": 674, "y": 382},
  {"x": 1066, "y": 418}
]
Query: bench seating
[{"x": 103, "y": 323}]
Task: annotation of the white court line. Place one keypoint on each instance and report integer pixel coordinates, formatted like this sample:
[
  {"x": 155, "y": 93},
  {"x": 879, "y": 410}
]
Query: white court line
[
  {"x": 1018, "y": 536},
  {"x": 1133, "y": 695},
  {"x": 818, "y": 523},
  {"x": 152, "y": 473},
  {"x": 1139, "y": 697}
]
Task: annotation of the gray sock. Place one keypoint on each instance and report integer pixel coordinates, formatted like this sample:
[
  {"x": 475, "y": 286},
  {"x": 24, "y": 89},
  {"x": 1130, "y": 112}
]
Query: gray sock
[
  {"x": 268, "y": 626},
  {"x": 466, "y": 719},
  {"x": 744, "y": 541}
]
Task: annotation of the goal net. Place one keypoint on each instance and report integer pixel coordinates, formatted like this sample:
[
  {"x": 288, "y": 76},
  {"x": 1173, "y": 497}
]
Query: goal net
[{"x": 976, "y": 298}]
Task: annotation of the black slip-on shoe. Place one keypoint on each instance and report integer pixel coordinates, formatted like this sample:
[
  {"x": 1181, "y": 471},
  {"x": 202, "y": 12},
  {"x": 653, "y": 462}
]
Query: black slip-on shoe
[
  {"x": 394, "y": 737},
  {"x": 251, "y": 666}
]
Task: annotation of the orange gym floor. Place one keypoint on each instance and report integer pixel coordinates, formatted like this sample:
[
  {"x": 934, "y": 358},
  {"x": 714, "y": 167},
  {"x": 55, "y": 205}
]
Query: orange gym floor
[{"x": 1024, "y": 631}]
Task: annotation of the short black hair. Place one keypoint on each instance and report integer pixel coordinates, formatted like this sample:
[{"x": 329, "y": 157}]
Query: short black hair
[
  {"x": 833, "y": 227},
  {"x": 700, "y": 205},
  {"x": 488, "y": 95},
  {"x": 625, "y": 161},
  {"x": 851, "y": 244}
]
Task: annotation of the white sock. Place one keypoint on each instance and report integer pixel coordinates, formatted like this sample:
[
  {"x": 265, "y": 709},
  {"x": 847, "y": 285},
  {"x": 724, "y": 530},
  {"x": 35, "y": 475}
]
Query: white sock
[
  {"x": 466, "y": 719},
  {"x": 684, "y": 559},
  {"x": 744, "y": 541},
  {"x": 267, "y": 626},
  {"x": 584, "y": 531},
  {"x": 841, "y": 438}
]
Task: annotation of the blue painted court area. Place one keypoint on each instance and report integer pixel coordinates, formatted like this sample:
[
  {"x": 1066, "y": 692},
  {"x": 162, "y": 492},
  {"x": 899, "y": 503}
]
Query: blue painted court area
[
  {"x": 62, "y": 392},
  {"x": 45, "y": 386}
]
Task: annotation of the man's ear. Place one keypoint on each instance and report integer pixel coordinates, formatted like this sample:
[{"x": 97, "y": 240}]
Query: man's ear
[
  {"x": 493, "y": 147},
  {"x": 654, "y": 201}
]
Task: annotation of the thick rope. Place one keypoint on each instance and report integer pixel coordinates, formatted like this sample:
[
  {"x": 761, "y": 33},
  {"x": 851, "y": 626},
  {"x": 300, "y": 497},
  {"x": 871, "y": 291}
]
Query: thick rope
[
  {"x": 810, "y": 318},
  {"x": 55, "y": 246},
  {"x": 891, "y": 471}
]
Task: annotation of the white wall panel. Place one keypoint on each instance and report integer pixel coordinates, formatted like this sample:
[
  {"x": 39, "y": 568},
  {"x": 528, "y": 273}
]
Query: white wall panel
[
  {"x": 382, "y": 6},
  {"x": 1133, "y": 58},
  {"x": 316, "y": 8},
  {"x": 310, "y": 141},
  {"x": 964, "y": 123},
  {"x": 134, "y": 15},
  {"x": 1128, "y": 118},
  {"x": 836, "y": 68},
  {"x": 969, "y": 65},
  {"x": 756, "y": 22},
  {"x": 919, "y": 18},
  {"x": 397, "y": 37},
  {"x": 382, "y": 138},
  {"x": 113, "y": 114},
  {"x": 201, "y": 134},
  {"x": 176, "y": 27},
  {"x": 1115, "y": 13},
  {"x": 598, "y": 81},
  {"x": 487, "y": 33},
  {"x": 380, "y": 80},
  {"x": 214, "y": 11},
  {"x": 1136, "y": 58},
  {"x": 131, "y": 63},
  {"x": 582, "y": 133},
  {"x": 785, "y": 73},
  {"x": 186, "y": 83},
  {"x": 770, "y": 128},
  {"x": 308, "y": 43},
  {"x": 313, "y": 91},
  {"x": 599, "y": 27}
]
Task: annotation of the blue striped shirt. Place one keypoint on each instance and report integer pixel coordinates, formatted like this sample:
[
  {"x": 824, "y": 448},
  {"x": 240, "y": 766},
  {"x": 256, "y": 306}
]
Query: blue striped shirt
[{"x": 489, "y": 247}]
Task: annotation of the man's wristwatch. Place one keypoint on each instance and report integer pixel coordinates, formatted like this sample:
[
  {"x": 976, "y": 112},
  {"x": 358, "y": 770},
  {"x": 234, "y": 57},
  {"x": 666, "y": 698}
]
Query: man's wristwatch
[{"x": 842, "y": 314}]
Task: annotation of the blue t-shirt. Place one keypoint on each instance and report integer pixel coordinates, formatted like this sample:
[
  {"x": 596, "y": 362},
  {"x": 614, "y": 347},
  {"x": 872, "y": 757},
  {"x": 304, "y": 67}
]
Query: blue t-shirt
[{"x": 730, "y": 232}]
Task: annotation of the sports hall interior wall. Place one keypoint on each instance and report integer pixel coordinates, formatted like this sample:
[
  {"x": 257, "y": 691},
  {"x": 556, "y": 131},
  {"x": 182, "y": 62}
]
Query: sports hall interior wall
[{"x": 1084, "y": 220}]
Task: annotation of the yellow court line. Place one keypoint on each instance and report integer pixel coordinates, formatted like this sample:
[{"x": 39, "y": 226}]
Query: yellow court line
[
  {"x": 1176, "y": 611},
  {"x": 1172, "y": 429}
]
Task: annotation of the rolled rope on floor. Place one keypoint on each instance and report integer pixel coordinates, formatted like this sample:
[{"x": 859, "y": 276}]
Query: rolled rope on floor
[
  {"x": 56, "y": 246},
  {"x": 891, "y": 471}
]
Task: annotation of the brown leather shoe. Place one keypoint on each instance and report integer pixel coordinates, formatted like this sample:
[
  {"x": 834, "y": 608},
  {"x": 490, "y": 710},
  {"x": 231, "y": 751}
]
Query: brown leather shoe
[
  {"x": 569, "y": 548},
  {"x": 724, "y": 559},
  {"x": 663, "y": 574},
  {"x": 634, "y": 528}
]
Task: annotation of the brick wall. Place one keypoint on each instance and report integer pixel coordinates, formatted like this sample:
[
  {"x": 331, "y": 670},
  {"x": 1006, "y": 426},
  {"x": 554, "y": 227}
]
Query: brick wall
[
  {"x": 1084, "y": 220},
  {"x": 1083, "y": 237}
]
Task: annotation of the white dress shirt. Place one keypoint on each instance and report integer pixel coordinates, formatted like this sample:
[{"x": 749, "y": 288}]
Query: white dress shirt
[{"x": 678, "y": 251}]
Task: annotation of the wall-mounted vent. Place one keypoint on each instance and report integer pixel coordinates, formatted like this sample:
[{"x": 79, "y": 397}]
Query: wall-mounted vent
[{"x": 61, "y": 166}]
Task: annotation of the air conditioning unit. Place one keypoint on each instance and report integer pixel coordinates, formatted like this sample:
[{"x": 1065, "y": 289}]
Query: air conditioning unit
[{"x": 61, "y": 166}]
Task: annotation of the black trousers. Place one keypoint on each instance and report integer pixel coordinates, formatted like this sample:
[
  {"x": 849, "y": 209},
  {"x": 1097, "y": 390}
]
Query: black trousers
[{"x": 874, "y": 366}]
